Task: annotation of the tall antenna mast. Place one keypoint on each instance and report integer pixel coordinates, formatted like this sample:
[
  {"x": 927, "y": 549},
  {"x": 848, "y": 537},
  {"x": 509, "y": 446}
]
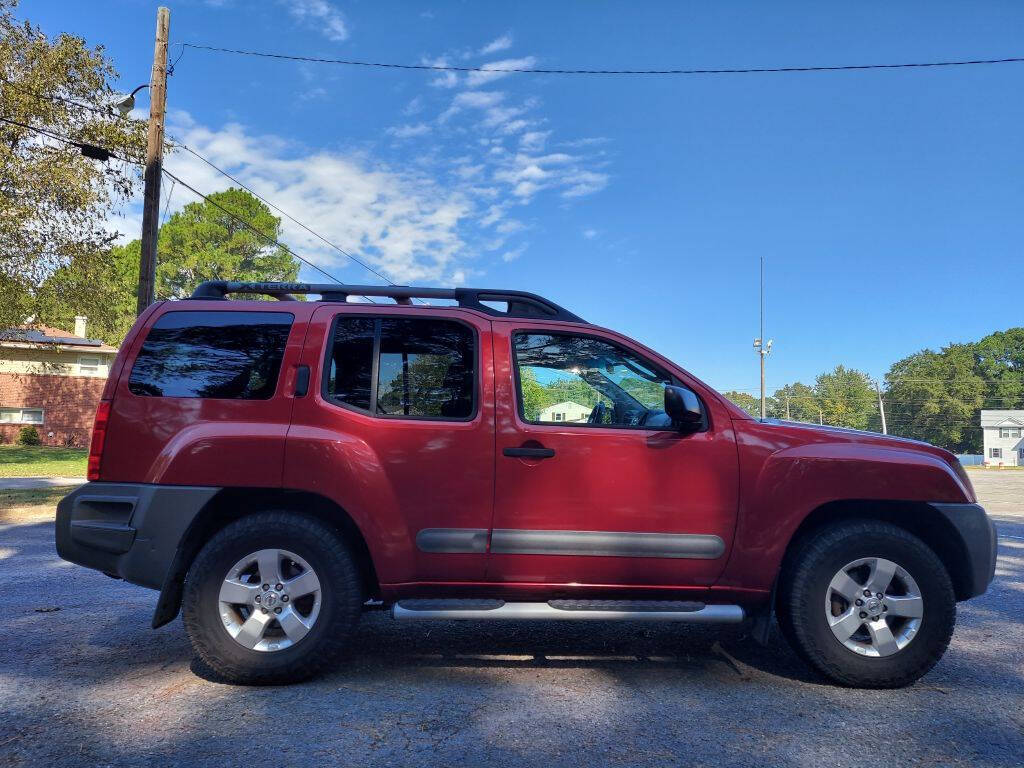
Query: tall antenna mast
[{"x": 762, "y": 347}]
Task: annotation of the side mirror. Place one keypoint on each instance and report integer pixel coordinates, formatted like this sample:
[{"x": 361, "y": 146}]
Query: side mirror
[{"x": 684, "y": 408}]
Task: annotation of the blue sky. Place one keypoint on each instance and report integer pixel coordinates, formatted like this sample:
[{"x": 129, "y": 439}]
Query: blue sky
[{"x": 888, "y": 204}]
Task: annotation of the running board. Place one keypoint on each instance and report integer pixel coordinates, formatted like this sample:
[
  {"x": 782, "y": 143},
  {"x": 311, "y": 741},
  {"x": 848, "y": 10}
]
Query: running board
[{"x": 569, "y": 610}]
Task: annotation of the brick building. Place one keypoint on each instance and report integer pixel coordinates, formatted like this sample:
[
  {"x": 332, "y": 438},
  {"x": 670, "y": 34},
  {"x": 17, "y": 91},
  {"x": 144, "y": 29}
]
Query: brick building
[{"x": 52, "y": 380}]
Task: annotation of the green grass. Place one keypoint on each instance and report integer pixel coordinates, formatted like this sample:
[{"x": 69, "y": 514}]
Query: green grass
[
  {"x": 30, "y": 505},
  {"x": 42, "y": 461}
]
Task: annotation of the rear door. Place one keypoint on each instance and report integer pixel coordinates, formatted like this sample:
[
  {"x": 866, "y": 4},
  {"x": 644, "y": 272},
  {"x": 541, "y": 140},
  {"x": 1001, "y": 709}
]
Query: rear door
[
  {"x": 398, "y": 429},
  {"x": 593, "y": 486}
]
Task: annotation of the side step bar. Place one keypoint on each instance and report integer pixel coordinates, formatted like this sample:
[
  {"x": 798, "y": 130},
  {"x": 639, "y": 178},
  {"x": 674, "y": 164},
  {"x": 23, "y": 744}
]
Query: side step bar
[{"x": 569, "y": 610}]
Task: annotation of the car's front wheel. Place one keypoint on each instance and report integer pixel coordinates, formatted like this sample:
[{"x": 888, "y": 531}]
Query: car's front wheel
[
  {"x": 867, "y": 604},
  {"x": 272, "y": 598}
]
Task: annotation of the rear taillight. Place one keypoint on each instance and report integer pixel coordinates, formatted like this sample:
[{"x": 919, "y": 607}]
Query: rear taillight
[{"x": 99, "y": 435}]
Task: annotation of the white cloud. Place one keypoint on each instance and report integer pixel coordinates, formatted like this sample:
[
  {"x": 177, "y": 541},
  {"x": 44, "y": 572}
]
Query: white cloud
[
  {"x": 514, "y": 253},
  {"x": 590, "y": 234},
  {"x": 475, "y": 79},
  {"x": 408, "y": 131},
  {"x": 414, "y": 107},
  {"x": 533, "y": 141},
  {"x": 444, "y": 79},
  {"x": 320, "y": 14},
  {"x": 502, "y": 43},
  {"x": 401, "y": 222}
]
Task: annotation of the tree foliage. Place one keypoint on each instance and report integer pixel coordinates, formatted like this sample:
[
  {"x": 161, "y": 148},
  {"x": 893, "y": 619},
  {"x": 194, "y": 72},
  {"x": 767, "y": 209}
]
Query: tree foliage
[
  {"x": 54, "y": 203},
  {"x": 198, "y": 243}
]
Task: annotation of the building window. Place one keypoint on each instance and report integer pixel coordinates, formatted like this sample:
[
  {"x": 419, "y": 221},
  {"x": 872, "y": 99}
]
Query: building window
[
  {"x": 21, "y": 415},
  {"x": 1009, "y": 431},
  {"x": 995, "y": 453},
  {"x": 88, "y": 364}
]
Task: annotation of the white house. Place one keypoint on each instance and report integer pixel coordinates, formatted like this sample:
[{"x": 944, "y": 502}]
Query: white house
[
  {"x": 567, "y": 411},
  {"x": 1003, "y": 436}
]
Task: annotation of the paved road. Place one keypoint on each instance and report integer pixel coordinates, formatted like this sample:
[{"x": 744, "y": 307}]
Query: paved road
[{"x": 84, "y": 681}]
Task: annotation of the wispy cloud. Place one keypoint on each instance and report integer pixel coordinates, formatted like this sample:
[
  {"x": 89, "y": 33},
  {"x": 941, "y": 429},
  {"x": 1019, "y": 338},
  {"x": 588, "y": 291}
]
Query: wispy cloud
[
  {"x": 320, "y": 14},
  {"x": 443, "y": 79},
  {"x": 491, "y": 73},
  {"x": 402, "y": 222},
  {"x": 514, "y": 253},
  {"x": 502, "y": 43},
  {"x": 590, "y": 234},
  {"x": 408, "y": 131}
]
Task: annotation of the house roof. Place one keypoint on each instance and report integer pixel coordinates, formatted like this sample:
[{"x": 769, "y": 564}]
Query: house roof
[
  {"x": 1003, "y": 418},
  {"x": 40, "y": 335}
]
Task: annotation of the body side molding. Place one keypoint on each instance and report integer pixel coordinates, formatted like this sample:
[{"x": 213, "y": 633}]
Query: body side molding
[{"x": 510, "y": 541}]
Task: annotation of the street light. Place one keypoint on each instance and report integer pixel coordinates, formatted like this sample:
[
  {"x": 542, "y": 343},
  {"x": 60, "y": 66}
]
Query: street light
[{"x": 127, "y": 104}]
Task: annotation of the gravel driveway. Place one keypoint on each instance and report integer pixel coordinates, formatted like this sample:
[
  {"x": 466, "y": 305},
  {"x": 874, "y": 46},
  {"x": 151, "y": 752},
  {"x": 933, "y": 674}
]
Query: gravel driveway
[{"x": 84, "y": 681}]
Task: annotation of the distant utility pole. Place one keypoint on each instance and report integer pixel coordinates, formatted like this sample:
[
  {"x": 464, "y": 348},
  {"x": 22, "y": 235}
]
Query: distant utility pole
[
  {"x": 788, "y": 417},
  {"x": 821, "y": 416},
  {"x": 881, "y": 407},
  {"x": 154, "y": 162},
  {"x": 762, "y": 347}
]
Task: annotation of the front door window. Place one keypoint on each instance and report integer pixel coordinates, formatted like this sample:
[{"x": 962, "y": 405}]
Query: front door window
[{"x": 585, "y": 381}]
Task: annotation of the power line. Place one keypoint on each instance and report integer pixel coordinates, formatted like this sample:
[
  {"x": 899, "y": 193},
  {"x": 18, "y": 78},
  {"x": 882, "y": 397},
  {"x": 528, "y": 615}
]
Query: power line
[
  {"x": 106, "y": 111},
  {"x": 92, "y": 151},
  {"x": 220, "y": 170},
  {"x": 532, "y": 71},
  {"x": 254, "y": 229},
  {"x": 316, "y": 234}
]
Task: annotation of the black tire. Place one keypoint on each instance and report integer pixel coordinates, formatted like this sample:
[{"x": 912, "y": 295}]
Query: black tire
[
  {"x": 803, "y": 588},
  {"x": 342, "y": 597}
]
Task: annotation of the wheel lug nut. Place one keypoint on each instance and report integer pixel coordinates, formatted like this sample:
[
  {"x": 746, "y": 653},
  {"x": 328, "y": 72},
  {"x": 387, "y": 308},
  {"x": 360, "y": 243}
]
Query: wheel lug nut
[
  {"x": 863, "y": 615},
  {"x": 279, "y": 587},
  {"x": 858, "y": 601},
  {"x": 277, "y": 610},
  {"x": 257, "y": 598},
  {"x": 265, "y": 610},
  {"x": 266, "y": 587},
  {"x": 879, "y": 595},
  {"x": 867, "y": 592},
  {"x": 284, "y": 598}
]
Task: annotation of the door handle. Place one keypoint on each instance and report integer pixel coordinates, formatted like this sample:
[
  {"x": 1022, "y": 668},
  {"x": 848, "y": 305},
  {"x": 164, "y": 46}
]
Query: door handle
[
  {"x": 529, "y": 453},
  {"x": 302, "y": 381}
]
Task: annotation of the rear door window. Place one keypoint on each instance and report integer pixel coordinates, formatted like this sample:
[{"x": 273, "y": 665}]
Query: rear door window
[
  {"x": 405, "y": 368},
  {"x": 225, "y": 355}
]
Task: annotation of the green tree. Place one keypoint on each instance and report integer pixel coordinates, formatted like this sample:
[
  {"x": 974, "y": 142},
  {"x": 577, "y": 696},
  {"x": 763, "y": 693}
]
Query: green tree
[
  {"x": 53, "y": 200},
  {"x": 936, "y": 397},
  {"x": 202, "y": 242},
  {"x": 847, "y": 399},
  {"x": 796, "y": 402},
  {"x": 199, "y": 243},
  {"x": 748, "y": 403}
]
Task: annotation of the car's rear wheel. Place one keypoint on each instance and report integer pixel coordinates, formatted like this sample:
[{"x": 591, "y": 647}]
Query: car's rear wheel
[
  {"x": 867, "y": 604},
  {"x": 272, "y": 598}
]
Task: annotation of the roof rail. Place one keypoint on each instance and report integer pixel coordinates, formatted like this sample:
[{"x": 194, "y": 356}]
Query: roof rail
[{"x": 519, "y": 303}]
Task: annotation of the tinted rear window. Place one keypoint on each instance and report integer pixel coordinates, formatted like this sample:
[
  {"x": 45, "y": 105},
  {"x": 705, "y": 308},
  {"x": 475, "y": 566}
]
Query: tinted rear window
[{"x": 228, "y": 355}]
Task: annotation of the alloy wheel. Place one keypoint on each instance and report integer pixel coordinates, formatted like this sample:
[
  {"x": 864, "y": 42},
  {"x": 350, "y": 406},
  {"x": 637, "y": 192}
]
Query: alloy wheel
[
  {"x": 269, "y": 600},
  {"x": 874, "y": 607}
]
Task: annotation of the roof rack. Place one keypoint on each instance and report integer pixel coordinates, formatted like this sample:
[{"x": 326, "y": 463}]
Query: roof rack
[{"x": 519, "y": 303}]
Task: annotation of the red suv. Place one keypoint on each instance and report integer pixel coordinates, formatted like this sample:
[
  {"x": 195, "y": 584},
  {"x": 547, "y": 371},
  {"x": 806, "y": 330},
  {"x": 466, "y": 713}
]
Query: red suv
[{"x": 277, "y": 468}]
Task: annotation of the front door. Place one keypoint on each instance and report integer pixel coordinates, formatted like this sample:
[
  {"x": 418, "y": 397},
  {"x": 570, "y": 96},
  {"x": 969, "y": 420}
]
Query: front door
[{"x": 593, "y": 486}]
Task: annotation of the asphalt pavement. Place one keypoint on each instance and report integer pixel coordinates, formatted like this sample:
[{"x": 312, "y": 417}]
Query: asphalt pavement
[{"x": 85, "y": 681}]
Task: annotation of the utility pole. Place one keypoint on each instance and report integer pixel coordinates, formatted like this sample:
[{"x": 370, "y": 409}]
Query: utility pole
[
  {"x": 788, "y": 417},
  {"x": 154, "y": 162},
  {"x": 821, "y": 417},
  {"x": 762, "y": 347},
  {"x": 881, "y": 407}
]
